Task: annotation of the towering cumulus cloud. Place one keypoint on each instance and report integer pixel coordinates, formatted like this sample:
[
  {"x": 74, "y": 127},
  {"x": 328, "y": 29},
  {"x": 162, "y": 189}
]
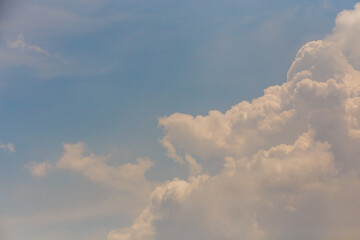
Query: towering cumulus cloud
[{"x": 284, "y": 166}]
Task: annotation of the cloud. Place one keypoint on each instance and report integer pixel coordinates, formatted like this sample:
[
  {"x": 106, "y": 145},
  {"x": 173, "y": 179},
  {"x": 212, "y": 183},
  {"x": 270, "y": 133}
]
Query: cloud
[
  {"x": 10, "y": 147},
  {"x": 129, "y": 177},
  {"x": 231, "y": 204},
  {"x": 283, "y": 166},
  {"x": 169, "y": 195},
  {"x": 21, "y": 44},
  {"x": 54, "y": 25},
  {"x": 40, "y": 169},
  {"x": 20, "y": 53},
  {"x": 26, "y": 48}
]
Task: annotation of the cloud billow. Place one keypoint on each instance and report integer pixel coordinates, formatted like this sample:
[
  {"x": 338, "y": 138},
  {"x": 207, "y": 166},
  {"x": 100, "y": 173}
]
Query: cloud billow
[{"x": 290, "y": 159}]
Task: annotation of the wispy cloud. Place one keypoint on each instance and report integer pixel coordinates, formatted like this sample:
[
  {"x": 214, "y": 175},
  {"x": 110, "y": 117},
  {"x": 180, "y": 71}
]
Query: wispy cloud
[
  {"x": 21, "y": 53},
  {"x": 10, "y": 147},
  {"x": 21, "y": 44}
]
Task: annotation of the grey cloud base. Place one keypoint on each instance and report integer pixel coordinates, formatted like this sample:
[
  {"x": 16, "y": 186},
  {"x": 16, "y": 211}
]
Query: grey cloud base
[{"x": 290, "y": 159}]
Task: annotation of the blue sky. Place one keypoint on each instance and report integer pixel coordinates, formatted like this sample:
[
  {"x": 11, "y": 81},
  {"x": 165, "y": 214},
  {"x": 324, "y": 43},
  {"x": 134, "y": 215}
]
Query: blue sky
[{"x": 103, "y": 72}]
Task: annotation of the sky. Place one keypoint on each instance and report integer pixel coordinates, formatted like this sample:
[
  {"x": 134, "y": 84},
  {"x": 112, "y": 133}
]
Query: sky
[{"x": 158, "y": 120}]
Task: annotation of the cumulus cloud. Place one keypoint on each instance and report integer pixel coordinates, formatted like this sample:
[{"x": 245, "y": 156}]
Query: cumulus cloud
[
  {"x": 283, "y": 166},
  {"x": 10, "y": 147},
  {"x": 129, "y": 177}
]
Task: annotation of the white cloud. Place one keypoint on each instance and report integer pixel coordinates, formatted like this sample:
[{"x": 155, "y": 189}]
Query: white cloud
[
  {"x": 283, "y": 166},
  {"x": 230, "y": 204},
  {"x": 346, "y": 34},
  {"x": 20, "y": 53},
  {"x": 10, "y": 147},
  {"x": 129, "y": 177},
  {"x": 21, "y": 44},
  {"x": 163, "y": 199},
  {"x": 124, "y": 190},
  {"x": 40, "y": 169}
]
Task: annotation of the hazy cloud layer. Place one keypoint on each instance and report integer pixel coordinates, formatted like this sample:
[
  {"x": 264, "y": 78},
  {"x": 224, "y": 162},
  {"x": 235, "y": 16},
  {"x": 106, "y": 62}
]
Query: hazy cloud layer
[
  {"x": 284, "y": 166},
  {"x": 38, "y": 23}
]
